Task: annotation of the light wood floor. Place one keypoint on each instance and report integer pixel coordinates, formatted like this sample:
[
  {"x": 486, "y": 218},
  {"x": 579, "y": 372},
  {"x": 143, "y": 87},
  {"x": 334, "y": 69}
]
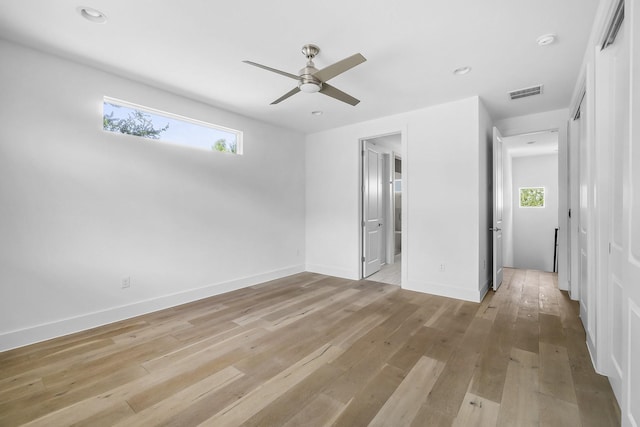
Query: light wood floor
[{"x": 313, "y": 350}]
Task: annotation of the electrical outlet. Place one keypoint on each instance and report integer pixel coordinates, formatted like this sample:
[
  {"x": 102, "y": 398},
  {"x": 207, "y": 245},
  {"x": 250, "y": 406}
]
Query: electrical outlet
[
  {"x": 441, "y": 267},
  {"x": 126, "y": 282}
]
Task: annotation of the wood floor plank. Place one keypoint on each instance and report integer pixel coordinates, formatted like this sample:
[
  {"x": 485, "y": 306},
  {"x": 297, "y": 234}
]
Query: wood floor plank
[
  {"x": 288, "y": 405},
  {"x": 555, "y": 373},
  {"x": 182, "y": 400},
  {"x": 250, "y": 404},
  {"x": 557, "y": 412},
  {"x": 491, "y": 368},
  {"x": 519, "y": 405},
  {"x": 405, "y": 402},
  {"x": 449, "y": 390},
  {"x": 551, "y": 330},
  {"x": 321, "y": 411},
  {"x": 367, "y": 401},
  {"x": 315, "y": 350},
  {"x": 477, "y": 411}
]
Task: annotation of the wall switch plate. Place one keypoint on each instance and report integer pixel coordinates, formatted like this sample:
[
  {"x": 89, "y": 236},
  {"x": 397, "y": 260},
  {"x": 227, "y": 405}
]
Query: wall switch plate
[
  {"x": 126, "y": 282},
  {"x": 441, "y": 267}
]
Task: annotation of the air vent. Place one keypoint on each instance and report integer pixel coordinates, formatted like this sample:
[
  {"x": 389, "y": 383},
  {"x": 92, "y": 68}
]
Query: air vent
[{"x": 523, "y": 93}]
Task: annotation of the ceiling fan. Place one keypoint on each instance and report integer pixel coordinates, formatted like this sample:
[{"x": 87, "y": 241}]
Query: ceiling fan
[{"x": 311, "y": 80}]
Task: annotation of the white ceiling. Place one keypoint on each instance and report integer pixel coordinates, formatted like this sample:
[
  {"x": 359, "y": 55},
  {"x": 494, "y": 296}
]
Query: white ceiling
[
  {"x": 532, "y": 144},
  {"x": 195, "y": 48}
]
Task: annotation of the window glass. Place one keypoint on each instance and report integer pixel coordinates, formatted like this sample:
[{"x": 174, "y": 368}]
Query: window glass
[
  {"x": 532, "y": 197},
  {"x": 122, "y": 117}
]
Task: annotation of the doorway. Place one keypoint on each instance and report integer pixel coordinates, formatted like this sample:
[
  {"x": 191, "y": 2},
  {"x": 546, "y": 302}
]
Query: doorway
[
  {"x": 531, "y": 197},
  {"x": 382, "y": 208}
]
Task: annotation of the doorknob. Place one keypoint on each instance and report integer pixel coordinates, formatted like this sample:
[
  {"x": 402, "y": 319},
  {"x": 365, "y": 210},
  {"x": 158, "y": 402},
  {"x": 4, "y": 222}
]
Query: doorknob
[{"x": 495, "y": 229}]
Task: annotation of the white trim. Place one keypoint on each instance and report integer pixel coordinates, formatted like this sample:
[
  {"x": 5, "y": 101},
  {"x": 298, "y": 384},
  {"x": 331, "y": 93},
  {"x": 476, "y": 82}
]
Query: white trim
[
  {"x": 633, "y": 310},
  {"x": 333, "y": 271},
  {"x": 58, "y": 328},
  {"x": 447, "y": 290}
]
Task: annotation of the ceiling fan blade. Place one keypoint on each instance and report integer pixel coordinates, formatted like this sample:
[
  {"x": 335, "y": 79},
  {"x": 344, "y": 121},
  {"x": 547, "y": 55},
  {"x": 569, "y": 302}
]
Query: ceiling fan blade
[
  {"x": 339, "y": 67},
  {"x": 287, "y": 95},
  {"x": 283, "y": 73},
  {"x": 331, "y": 91}
]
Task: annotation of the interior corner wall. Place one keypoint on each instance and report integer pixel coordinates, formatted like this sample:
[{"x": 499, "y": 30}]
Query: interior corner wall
[
  {"x": 555, "y": 119},
  {"x": 440, "y": 210},
  {"x": 81, "y": 208}
]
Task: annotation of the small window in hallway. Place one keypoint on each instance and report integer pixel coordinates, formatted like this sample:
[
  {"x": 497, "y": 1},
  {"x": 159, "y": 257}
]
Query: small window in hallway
[{"x": 532, "y": 197}]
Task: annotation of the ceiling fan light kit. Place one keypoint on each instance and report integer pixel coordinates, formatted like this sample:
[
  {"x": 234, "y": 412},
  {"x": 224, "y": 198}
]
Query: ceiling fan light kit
[
  {"x": 310, "y": 87},
  {"x": 311, "y": 80}
]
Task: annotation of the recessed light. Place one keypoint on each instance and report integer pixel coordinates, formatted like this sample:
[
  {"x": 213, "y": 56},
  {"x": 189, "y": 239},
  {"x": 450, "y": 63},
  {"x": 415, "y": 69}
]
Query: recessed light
[
  {"x": 92, "y": 14},
  {"x": 531, "y": 142},
  {"x": 546, "y": 39},
  {"x": 316, "y": 113},
  {"x": 461, "y": 71}
]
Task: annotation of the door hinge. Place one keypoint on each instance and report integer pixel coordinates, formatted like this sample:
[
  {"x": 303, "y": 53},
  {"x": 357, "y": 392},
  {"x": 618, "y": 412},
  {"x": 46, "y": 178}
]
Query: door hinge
[
  {"x": 569, "y": 213},
  {"x": 362, "y": 259},
  {"x": 363, "y": 223}
]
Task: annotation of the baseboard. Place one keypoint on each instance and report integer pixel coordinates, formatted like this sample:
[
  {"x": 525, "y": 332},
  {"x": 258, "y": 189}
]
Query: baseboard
[
  {"x": 593, "y": 359},
  {"x": 563, "y": 285},
  {"x": 485, "y": 288},
  {"x": 445, "y": 290},
  {"x": 38, "y": 333},
  {"x": 332, "y": 271}
]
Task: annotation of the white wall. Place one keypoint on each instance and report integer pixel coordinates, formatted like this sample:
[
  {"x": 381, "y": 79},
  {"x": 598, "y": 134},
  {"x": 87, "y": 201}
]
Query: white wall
[
  {"x": 533, "y": 228},
  {"x": 81, "y": 208},
  {"x": 555, "y": 119},
  {"x": 441, "y": 218}
]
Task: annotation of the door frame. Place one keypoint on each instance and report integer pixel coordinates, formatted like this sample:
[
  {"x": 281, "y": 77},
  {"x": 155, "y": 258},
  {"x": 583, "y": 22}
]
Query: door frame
[
  {"x": 391, "y": 246},
  {"x": 361, "y": 146},
  {"x": 497, "y": 267}
]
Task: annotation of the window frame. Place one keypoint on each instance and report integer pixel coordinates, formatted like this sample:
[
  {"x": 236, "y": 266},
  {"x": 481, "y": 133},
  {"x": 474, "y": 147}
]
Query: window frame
[
  {"x": 126, "y": 104},
  {"x": 544, "y": 196}
]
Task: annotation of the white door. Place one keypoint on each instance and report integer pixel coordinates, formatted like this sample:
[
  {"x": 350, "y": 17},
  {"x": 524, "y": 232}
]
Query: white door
[
  {"x": 630, "y": 230},
  {"x": 621, "y": 334},
  {"x": 498, "y": 188},
  {"x": 372, "y": 210},
  {"x": 615, "y": 61},
  {"x": 585, "y": 187}
]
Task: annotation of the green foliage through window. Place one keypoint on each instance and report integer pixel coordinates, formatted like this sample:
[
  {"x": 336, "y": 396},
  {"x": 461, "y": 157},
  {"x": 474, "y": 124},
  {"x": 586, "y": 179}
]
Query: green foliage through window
[
  {"x": 123, "y": 117},
  {"x": 532, "y": 197},
  {"x": 136, "y": 123}
]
